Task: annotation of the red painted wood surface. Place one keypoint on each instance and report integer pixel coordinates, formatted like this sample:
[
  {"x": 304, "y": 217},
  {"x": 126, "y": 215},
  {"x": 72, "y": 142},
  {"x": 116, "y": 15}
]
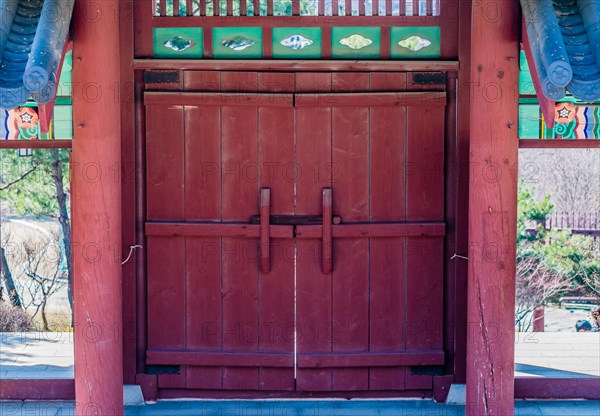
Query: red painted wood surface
[
  {"x": 492, "y": 210},
  {"x": 96, "y": 212},
  {"x": 42, "y": 390},
  {"x": 359, "y": 326}
]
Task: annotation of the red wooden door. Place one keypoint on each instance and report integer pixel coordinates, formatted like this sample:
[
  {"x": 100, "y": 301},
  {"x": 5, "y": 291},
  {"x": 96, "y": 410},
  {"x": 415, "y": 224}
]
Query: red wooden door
[
  {"x": 378, "y": 314},
  {"x": 351, "y": 303},
  {"x": 211, "y": 310}
]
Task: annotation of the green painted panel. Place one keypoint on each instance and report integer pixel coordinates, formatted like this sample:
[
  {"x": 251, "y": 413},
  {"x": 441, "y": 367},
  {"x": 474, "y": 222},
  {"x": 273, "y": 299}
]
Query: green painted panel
[
  {"x": 415, "y": 42},
  {"x": 237, "y": 43},
  {"x": 302, "y": 42},
  {"x": 529, "y": 121},
  {"x": 183, "y": 42},
  {"x": 64, "y": 84},
  {"x": 356, "y": 42},
  {"x": 525, "y": 81},
  {"x": 63, "y": 122}
]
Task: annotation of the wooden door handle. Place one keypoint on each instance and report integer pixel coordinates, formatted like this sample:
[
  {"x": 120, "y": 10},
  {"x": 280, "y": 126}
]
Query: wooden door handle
[
  {"x": 327, "y": 249},
  {"x": 265, "y": 230}
]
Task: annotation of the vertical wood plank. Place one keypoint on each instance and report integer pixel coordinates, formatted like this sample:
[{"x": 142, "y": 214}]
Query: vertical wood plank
[
  {"x": 163, "y": 7},
  {"x": 424, "y": 256},
  {"x": 361, "y": 7},
  {"x": 203, "y": 307},
  {"x": 387, "y": 256},
  {"x": 375, "y": 7},
  {"x": 314, "y": 290},
  {"x": 335, "y": 7},
  {"x": 202, "y": 163},
  {"x": 166, "y": 292},
  {"x": 243, "y": 8},
  {"x": 256, "y": 8},
  {"x": 416, "y": 4},
  {"x": 321, "y": 8},
  {"x": 269, "y": 7},
  {"x": 276, "y": 161},
  {"x": 492, "y": 211},
  {"x": 295, "y": 7},
  {"x": 216, "y": 7},
  {"x": 229, "y": 7},
  {"x": 203, "y": 255},
  {"x": 350, "y": 149},
  {"x": 425, "y": 166},
  {"x": 165, "y": 163},
  {"x": 175, "y": 7},
  {"x": 240, "y": 283},
  {"x": 348, "y": 7},
  {"x": 265, "y": 230},
  {"x": 189, "y": 7},
  {"x": 388, "y": 7}
]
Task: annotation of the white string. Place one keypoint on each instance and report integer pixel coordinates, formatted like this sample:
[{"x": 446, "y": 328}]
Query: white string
[
  {"x": 457, "y": 256},
  {"x": 131, "y": 248}
]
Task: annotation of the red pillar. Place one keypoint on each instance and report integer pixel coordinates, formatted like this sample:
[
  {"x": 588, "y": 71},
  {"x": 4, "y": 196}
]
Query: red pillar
[
  {"x": 492, "y": 207},
  {"x": 96, "y": 202}
]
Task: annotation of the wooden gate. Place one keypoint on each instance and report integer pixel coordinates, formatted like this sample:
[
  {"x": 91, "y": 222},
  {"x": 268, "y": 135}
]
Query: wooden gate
[{"x": 295, "y": 230}]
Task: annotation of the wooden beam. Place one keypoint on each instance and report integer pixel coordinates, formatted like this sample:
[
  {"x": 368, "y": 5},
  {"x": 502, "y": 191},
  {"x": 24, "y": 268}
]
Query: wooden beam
[
  {"x": 492, "y": 207},
  {"x": 35, "y": 389},
  {"x": 559, "y": 144},
  {"x": 36, "y": 144},
  {"x": 288, "y": 65},
  {"x": 96, "y": 211}
]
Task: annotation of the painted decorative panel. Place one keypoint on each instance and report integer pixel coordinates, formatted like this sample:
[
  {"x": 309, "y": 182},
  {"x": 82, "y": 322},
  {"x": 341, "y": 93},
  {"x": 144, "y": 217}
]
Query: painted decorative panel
[
  {"x": 237, "y": 43},
  {"x": 178, "y": 43},
  {"x": 356, "y": 42},
  {"x": 19, "y": 124},
  {"x": 414, "y": 42},
  {"x": 572, "y": 121},
  {"x": 297, "y": 42}
]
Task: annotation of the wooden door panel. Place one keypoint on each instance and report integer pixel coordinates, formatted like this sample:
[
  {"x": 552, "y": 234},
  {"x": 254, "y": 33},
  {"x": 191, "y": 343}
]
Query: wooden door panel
[
  {"x": 425, "y": 164},
  {"x": 350, "y": 291},
  {"x": 239, "y": 273},
  {"x": 202, "y": 163},
  {"x": 165, "y": 162},
  {"x": 313, "y": 287},
  {"x": 203, "y": 307},
  {"x": 276, "y": 293},
  {"x": 380, "y": 325},
  {"x": 233, "y": 317},
  {"x": 230, "y": 325}
]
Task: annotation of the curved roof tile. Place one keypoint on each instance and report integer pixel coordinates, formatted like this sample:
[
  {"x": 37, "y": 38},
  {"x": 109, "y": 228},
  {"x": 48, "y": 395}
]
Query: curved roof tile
[
  {"x": 32, "y": 38},
  {"x": 564, "y": 36}
]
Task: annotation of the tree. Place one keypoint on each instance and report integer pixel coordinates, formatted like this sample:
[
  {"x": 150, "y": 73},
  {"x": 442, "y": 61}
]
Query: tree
[
  {"x": 45, "y": 277},
  {"x": 549, "y": 263},
  {"x": 39, "y": 186}
]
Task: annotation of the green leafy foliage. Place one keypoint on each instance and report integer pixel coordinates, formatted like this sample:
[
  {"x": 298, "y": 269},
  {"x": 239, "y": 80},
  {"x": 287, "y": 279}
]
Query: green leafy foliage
[
  {"x": 27, "y": 184},
  {"x": 573, "y": 257}
]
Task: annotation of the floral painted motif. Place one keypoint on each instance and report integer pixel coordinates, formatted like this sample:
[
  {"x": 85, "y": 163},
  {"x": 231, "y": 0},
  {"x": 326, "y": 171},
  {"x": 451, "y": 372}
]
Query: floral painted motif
[
  {"x": 238, "y": 43},
  {"x": 414, "y": 43},
  {"x": 179, "y": 43},
  {"x": 356, "y": 41},
  {"x": 296, "y": 42}
]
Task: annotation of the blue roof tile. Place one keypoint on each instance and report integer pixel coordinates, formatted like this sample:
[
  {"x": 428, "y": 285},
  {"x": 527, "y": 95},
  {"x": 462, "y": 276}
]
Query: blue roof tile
[
  {"x": 564, "y": 36},
  {"x": 32, "y": 38}
]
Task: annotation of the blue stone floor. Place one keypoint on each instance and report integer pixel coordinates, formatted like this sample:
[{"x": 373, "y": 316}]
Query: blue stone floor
[{"x": 305, "y": 408}]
